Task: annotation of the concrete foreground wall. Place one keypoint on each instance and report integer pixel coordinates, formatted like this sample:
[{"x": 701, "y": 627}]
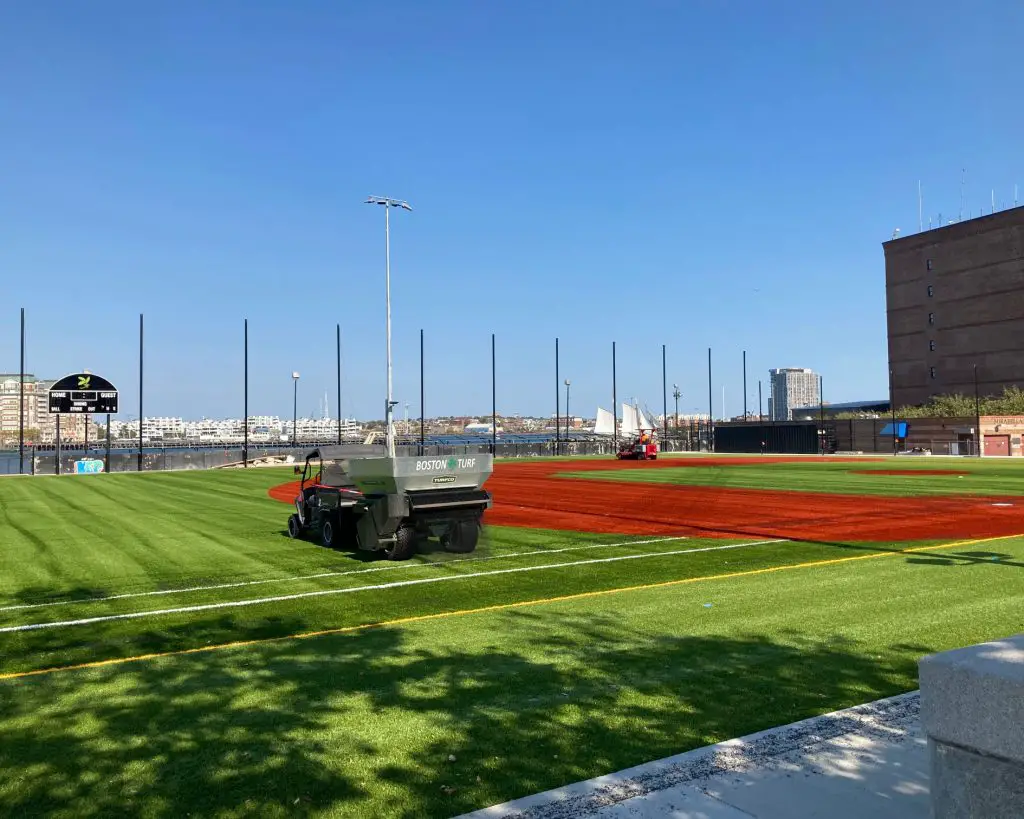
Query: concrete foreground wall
[{"x": 972, "y": 711}]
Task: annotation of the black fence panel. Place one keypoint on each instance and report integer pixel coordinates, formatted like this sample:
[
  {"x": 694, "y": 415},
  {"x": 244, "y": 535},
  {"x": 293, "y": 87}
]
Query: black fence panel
[{"x": 786, "y": 438}]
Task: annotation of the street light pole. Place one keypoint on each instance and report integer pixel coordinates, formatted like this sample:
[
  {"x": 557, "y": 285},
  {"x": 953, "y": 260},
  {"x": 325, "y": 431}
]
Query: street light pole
[
  {"x": 676, "y": 394},
  {"x": 295, "y": 409},
  {"x": 567, "y": 416},
  {"x": 389, "y": 404}
]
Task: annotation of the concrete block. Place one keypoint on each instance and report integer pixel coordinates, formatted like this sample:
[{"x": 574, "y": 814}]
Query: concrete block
[
  {"x": 974, "y": 698},
  {"x": 966, "y": 785}
]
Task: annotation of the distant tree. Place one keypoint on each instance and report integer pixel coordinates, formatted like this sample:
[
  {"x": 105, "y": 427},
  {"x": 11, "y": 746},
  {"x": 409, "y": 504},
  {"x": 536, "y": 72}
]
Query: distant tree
[
  {"x": 10, "y": 437},
  {"x": 1011, "y": 402}
]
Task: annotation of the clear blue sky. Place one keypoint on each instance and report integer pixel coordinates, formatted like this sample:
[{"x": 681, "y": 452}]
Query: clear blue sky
[{"x": 685, "y": 173}]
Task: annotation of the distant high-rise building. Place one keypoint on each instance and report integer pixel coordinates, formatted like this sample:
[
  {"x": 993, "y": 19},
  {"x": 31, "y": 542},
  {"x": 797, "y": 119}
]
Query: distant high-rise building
[{"x": 792, "y": 388}]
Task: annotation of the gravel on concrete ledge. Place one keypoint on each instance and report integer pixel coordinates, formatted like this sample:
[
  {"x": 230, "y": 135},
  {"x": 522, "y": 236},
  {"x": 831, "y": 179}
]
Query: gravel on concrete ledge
[{"x": 889, "y": 720}]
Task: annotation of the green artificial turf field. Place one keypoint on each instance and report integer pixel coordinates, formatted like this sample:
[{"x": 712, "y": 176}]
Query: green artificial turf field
[
  {"x": 850, "y": 476},
  {"x": 543, "y": 658}
]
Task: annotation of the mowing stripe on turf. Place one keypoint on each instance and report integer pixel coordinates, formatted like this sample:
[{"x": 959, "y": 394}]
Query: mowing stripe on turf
[
  {"x": 16, "y": 675},
  {"x": 280, "y": 598},
  {"x": 390, "y": 567}
]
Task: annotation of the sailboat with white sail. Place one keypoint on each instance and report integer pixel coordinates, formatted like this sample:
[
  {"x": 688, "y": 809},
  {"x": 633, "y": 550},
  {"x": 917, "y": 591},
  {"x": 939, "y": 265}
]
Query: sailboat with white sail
[
  {"x": 605, "y": 424},
  {"x": 633, "y": 422}
]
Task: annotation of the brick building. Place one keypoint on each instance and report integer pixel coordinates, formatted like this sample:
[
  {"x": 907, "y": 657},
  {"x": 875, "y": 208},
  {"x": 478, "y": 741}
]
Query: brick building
[{"x": 955, "y": 300}]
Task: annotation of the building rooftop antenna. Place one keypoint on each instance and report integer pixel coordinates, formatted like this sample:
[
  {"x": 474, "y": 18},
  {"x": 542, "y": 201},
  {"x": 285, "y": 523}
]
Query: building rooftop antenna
[
  {"x": 963, "y": 175},
  {"x": 920, "y": 209}
]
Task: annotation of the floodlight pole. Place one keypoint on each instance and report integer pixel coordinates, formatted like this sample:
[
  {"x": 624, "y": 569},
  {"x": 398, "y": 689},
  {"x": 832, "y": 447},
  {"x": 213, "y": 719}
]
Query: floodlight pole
[
  {"x": 745, "y": 386},
  {"x": 21, "y": 400},
  {"x": 892, "y": 409},
  {"x": 141, "y": 373},
  {"x": 338, "y": 362},
  {"x": 295, "y": 409},
  {"x": 422, "y": 411},
  {"x": 979, "y": 441},
  {"x": 615, "y": 404},
  {"x": 711, "y": 410},
  {"x": 494, "y": 398},
  {"x": 821, "y": 412},
  {"x": 389, "y": 405},
  {"x": 558, "y": 399},
  {"x": 245, "y": 395},
  {"x": 664, "y": 394},
  {"x": 389, "y": 434}
]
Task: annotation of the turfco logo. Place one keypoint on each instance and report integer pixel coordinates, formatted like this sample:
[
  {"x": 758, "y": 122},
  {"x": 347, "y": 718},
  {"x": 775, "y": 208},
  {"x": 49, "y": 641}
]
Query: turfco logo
[
  {"x": 444, "y": 479},
  {"x": 435, "y": 464}
]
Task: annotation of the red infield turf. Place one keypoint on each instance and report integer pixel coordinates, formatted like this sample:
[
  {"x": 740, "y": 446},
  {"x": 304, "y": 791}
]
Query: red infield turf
[{"x": 529, "y": 495}]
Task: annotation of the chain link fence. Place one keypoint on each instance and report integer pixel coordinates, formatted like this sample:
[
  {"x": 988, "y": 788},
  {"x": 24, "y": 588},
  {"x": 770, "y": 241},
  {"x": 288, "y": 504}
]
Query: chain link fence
[{"x": 44, "y": 460}]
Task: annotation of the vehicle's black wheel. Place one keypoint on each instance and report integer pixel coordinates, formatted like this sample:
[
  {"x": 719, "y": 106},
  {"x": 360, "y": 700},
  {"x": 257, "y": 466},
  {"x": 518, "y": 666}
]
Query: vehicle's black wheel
[
  {"x": 462, "y": 536},
  {"x": 404, "y": 546},
  {"x": 329, "y": 534},
  {"x": 294, "y": 527}
]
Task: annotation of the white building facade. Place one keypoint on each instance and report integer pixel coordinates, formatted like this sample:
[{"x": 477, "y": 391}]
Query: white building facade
[{"x": 793, "y": 388}]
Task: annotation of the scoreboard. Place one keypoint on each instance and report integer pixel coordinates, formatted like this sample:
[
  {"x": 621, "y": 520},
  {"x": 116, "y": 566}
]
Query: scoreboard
[{"x": 83, "y": 393}]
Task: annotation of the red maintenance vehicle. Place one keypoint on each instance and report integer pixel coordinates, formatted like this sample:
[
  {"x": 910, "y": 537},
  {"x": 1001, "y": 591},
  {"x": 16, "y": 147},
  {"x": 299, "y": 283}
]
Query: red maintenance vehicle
[
  {"x": 637, "y": 436},
  {"x": 641, "y": 448}
]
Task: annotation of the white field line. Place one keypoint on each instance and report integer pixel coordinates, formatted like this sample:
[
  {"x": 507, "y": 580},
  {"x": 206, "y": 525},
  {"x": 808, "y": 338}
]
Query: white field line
[
  {"x": 376, "y": 587},
  {"x": 296, "y": 578}
]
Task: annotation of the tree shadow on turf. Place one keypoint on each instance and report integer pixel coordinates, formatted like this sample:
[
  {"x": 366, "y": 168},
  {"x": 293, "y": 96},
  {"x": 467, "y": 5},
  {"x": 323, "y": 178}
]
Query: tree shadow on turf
[
  {"x": 294, "y": 726},
  {"x": 44, "y": 595},
  {"x": 955, "y": 558},
  {"x": 967, "y": 559}
]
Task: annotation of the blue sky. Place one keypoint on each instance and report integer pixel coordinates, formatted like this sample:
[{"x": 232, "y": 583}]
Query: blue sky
[{"x": 692, "y": 174}]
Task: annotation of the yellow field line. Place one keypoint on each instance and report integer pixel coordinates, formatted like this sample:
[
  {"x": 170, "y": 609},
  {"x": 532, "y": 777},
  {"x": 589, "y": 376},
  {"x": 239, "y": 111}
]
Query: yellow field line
[{"x": 17, "y": 675}]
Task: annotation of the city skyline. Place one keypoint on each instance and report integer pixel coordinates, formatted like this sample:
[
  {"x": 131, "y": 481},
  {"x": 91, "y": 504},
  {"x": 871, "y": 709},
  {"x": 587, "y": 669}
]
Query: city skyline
[{"x": 35, "y": 392}]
